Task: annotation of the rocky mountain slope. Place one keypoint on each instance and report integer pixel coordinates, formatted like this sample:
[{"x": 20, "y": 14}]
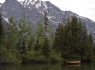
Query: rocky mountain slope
[{"x": 35, "y": 9}]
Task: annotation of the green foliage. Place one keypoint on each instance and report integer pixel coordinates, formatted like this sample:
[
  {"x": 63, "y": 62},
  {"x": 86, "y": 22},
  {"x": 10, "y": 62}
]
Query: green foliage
[
  {"x": 10, "y": 35},
  {"x": 21, "y": 43},
  {"x": 24, "y": 34},
  {"x": 73, "y": 41},
  {"x": 39, "y": 36},
  {"x": 9, "y": 56},
  {"x": 17, "y": 40},
  {"x": 58, "y": 39},
  {"x": 45, "y": 48},
  {"x": 89, "y": 45},
  {"x": 54, "y": 57},
  {"x": 1, "y": 27},
  {"x": 34, "y": 57}
]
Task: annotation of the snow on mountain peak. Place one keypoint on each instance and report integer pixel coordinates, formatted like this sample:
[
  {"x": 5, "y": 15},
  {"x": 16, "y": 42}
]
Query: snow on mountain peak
[
  {"x": 6, "y": 19},
  {"x": 45, "y": 5},
  {"x": 38, "y": 4},
  {"x": 27, "y": 2}
]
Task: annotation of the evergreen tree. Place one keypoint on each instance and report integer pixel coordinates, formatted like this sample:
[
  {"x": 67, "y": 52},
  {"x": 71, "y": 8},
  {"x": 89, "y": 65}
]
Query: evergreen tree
[
  {"x": 58, "y": 39},
  {"x": 77, "y": 38},
  {"x": 45, "y": 48},
  {"x": 8, "y": 52},
  {"x": 1, "y": 27},
  {"x": 18, "y": 35},
  {"x": 10, "y": 35},
  {"x": 93, "y": 50},
  {"x": 46, "y": 45},
  {"x": 89, "y": 46},
  {"x": 45, "y": 24},
  {"x": 24, "y": 34},
  {"x": 39, "y": 36},
  {"x": 72, "y": 40}
]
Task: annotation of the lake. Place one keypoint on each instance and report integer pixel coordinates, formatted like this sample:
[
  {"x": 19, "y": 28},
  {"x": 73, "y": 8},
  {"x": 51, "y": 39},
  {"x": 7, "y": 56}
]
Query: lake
[{"x": 86, "y": 66}]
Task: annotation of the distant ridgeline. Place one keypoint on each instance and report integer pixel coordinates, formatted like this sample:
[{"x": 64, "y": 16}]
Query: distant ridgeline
[{"x": 35, "y": 9}]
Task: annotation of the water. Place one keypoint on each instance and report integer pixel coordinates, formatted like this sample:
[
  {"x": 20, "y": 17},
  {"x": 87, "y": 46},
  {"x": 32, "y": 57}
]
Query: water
[{"x": 86, "y": 66}]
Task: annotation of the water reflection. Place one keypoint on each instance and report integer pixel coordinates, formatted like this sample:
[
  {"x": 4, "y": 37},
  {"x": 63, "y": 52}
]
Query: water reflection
[{"x": 86, "y": 66}]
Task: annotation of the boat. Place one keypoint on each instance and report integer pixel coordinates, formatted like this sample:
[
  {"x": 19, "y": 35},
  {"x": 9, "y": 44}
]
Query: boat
[{"x": 73, "y": 62}]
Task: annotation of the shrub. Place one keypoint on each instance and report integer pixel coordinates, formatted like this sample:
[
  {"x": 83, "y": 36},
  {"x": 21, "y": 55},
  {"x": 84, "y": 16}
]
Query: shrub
[
  {"x": 34, "y": 57},
  {"x": 54, "y": 57},
  {"x": 9, "y": 56}
]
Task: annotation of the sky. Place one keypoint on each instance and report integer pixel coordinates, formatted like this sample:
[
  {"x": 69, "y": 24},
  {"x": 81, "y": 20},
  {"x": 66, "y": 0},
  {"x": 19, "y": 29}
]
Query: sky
[{"x": 84, "y": 8}]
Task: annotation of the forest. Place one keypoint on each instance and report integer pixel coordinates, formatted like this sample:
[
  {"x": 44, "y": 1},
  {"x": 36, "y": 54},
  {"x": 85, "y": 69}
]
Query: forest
[{"x": 20, "y": 42}]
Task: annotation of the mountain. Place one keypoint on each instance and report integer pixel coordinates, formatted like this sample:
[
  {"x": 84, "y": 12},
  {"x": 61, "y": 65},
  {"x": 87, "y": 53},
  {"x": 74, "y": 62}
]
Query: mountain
[
  {"x": 34, "y": 9},
  {"x": 0, "y": 5},
  {"x": 55, "y": 14},
  {"x": 13, "y": 8}
]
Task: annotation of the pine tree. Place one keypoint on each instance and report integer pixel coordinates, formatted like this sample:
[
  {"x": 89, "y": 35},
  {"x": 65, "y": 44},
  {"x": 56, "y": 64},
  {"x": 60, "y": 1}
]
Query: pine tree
[
  {"x": 1, "y": 27},
  {"x": 77, "y": 39},
  {"x": 89, "y": 48},
  {"x": 39, "y": 36},
  {"x": 93, "y": 48},
  {"x": 45, "y": 24},
  {"x": 24, "y": 33},
  {"x": 45, "y": 48},
  {"x": 10, "y": 36},
  {"x": 46, "y": 45},
  {"x": 72, "y": 40},
  {"x": 58, "y": 39},
  {"x": 18, "y": 34}
]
